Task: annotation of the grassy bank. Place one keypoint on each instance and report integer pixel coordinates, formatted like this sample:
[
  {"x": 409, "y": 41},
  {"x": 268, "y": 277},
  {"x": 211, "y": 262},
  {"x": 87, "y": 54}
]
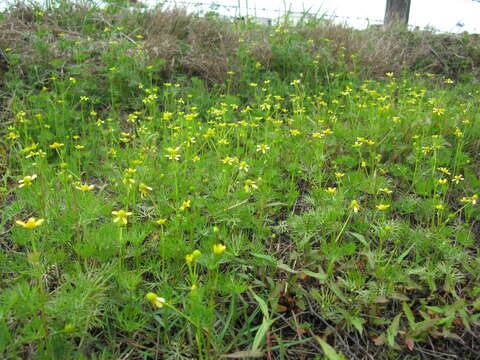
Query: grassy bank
[{"x": 176, "y": 187}]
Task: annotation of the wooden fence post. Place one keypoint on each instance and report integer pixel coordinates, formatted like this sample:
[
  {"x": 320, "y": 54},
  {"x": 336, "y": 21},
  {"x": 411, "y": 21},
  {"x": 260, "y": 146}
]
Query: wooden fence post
[{"x": 397, "y": 12}]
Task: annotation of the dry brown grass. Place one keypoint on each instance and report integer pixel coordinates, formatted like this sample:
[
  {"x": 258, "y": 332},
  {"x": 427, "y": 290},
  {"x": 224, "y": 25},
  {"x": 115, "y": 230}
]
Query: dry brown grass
[
  {"x": 381, "y": 50},
  {"x": 208, "y": 47},
  {"x": 196, "y": 46}
]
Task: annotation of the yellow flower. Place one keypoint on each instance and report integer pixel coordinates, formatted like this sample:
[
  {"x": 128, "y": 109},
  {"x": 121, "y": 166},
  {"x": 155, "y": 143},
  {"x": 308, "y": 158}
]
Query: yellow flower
[
  {"x": 228, "y": 160},
  {"x": 262, "y": 148},
  {"x": 31, "y": 223},
  {"x": 11, "y": 136},
  {"x": 121, "y": 215},
  {"x": 456, "y": 179},
  {"x": 69, "y": 328},
  {"x": 249, "y": 184},
  {"x": 442, "y": 181},
  {"x": 193, "y": 256},
  {"x": 472, "y": 200},
  {"x": 155, "y": 300},
  {"x": 172, "y": 153},
  {"x": 339, "y": 175},
  {"x": 196, "y": 158},
  {"x": 440, "y": 207},
  {"x": 331, "y": 190},
  {"x": 243, "y": 166},
  {"x": 355, "y": 205},
  {"x": 438, "y": 111},
  {"x": 85, "y": 187},
  {"x": 161, "y": 221},
  {"x": 144, "y": 189},
  {"x": 444, "y": 170},
  {"x": 55, "y": 145},
  {"x": 27, "y": 180},
  {"x": 29, "y": 148},
  {"x": 79, "y": 147},
  {"x": 219, "y": 249},
  {"x": 185, "y": 205},
  {"x": 382, "y": 207}
]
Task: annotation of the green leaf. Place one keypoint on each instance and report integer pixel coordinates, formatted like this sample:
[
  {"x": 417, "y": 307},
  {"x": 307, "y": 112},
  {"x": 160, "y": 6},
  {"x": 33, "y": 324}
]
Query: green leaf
[
  {"x": 464, "y": 317},
  {"x": 424, "y": 326},
  {"x": 392, "y": 330},
  {"x": 266, "y": 258},
  {"x": 266, "y": 323},
  {"x": 286, "y": 268},
  {"x": 244, "y": 354},
  {"x": 263, "y": 305},
  {"x": 315, "y": 275},
  {"x": 261, "y": 333},
  {"x": 404, "y": 254},
  {"x": 409, "y": 315},
  {"x": 359, "y": 237},
  {"x": 337, "y": 291},
  {"x": 357, "y": 323},
  {"x": 329, "y": 351}
]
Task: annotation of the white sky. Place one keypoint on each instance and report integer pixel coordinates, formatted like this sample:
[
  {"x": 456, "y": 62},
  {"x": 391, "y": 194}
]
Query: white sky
[{"x": 443, "y": 15}]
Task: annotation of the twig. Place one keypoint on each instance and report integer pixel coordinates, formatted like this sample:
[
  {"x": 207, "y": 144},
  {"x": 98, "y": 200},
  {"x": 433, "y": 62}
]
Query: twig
[{"x": 121, "y": 33}]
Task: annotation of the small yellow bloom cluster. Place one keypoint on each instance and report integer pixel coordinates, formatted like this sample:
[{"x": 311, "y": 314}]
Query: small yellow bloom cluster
[
  {"x": 27, "y": 180},
  {"x": 56, "y": 145},
  {"x": 230, "y": 160},
  {"x": 85, "y": 187},
  {"x": 185, "y": 205},
  {"x": 219, "y": 249},
  {"x": 319, "y": 135},
  {"x": 361, "y": 140},
  {"x": 249, "y": 185},
  {"x": 472, "y": 199},
  {"x": 173, "y": 153},
  {"x": 121, "y": 215},
  {"x": 144, "y": 189},
  {"x": 355, "y": 206},
  {"x": 161, "y": 221},
  {"x": 155, "y": 300},
  {"x": 31, "y": 223},
  {"x": 193, "y": 256},
  {"x": 262, "y": 148}
]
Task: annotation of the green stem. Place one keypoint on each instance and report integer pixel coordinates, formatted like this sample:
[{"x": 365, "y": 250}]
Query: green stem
[{"x": 343, "y": 228}]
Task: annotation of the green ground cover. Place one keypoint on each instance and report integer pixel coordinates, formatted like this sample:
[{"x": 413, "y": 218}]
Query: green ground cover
[{"x": 273, "y": 214}]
